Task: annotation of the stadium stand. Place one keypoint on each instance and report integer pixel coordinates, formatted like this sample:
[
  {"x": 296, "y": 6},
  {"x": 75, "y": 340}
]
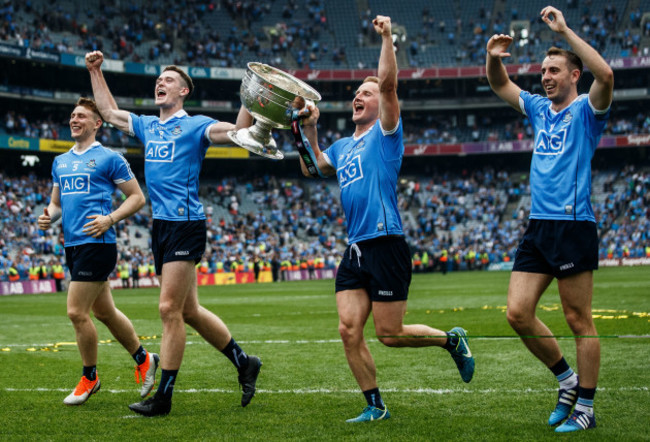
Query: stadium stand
[
  {"x": 459, "y": 205},
  {"x": 313, "y": 34}
]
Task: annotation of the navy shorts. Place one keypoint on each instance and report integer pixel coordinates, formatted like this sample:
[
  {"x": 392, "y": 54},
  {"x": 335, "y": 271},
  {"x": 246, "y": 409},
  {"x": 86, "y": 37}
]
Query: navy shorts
[
  {"x": 177, "y": 241},
  {"x": 558, "y": 248},
  {"x": 91, "y": 262},
  {"x": 381, "y": 266}
]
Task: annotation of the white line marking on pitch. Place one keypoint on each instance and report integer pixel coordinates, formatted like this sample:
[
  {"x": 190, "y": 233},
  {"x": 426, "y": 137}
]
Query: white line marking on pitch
[
  {"x": 427, "y": 391},
  {"x": 287, "y": 341}
]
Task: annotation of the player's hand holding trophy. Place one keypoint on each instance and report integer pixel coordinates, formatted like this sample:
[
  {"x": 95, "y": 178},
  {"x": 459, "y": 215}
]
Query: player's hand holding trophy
[{"x": 272, "y": 97}]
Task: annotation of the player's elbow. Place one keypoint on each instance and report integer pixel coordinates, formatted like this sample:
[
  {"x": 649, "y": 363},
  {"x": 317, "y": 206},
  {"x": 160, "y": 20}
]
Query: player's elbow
[
  {"x": 111, "y": 116},
  {"x": 140, "y": 202},
  {"x": 607, "y": 78}
]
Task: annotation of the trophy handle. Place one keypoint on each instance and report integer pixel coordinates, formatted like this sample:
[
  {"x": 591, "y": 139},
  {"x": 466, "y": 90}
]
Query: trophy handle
[{"x": 257, "y": 139}]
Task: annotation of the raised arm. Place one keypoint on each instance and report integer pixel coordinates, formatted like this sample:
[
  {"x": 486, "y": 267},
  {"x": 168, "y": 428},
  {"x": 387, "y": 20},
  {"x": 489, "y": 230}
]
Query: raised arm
[
  {"x": 500, "y": 82},
  {"x": 103, "y": 97},
  {"x": 387, "y": 73},
  {"x": 602, "y": 89}
]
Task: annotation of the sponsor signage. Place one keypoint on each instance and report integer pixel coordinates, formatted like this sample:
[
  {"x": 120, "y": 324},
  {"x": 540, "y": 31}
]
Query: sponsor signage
[
  {"x": 217, "y": 73},
  {"x": 141, "y": 68},
  {"x": 624, "y": 262},
  {"x": 80, "y": 61},
  {"x": 143, "y": 281},
  {"x": 216, "y": 104},
  {"x": 60, "y": 146},
  {"x": 227, "y": 152},
  {"x": 11, "y": 51},
  {"x": 49, "y": 57},
  {"x": 27, "y": 287},
  {"x": 414, "y": 150},
  {"x": 227, "y": 73},
  {"x": 18, "y": 143}
]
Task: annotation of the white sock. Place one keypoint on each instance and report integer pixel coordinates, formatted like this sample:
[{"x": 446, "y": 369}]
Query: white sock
[
  {"x": 569, "y": 383},
  {"x": 585, "y": 409}
]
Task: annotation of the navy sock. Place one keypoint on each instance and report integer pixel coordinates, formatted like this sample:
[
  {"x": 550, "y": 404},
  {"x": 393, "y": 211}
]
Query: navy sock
[
  {"x": 166, "y": 386},
  {"x": 586, "y": 393},
  {"x": 452, "y": 341},
  {"x": 560, "y": 368},
  {"x": 586, "y": 400},
  {"x": 373, "y": 397},
  {"x": 565, "y": 375},
  {"x": 90, "y": 372},
  {"x": 140, "y": 355},
  {"x": 236, "y": 355}
]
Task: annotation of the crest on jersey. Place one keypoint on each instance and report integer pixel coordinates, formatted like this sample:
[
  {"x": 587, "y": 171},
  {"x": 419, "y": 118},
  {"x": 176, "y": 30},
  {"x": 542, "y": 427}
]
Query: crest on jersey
[
  {"x": 177, "y": 130},
  {"x": 567, "y": 117},
  {"x": 91, "y": 163}
]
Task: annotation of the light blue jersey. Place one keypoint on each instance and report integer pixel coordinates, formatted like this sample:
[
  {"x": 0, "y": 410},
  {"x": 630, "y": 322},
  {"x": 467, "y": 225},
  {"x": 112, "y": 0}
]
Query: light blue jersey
[
  {"x": 565, "y": 142},
  {"x": 173, "y": 154},
  {"x": 367, "y": 168},
  {"x": 86, "y": 184}
]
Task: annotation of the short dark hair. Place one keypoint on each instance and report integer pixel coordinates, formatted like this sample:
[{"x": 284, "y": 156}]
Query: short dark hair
[
  {"x": 186, "y": 78},
  {"x": 571, "y": 57},
  {"x": 89, "y": 104}
]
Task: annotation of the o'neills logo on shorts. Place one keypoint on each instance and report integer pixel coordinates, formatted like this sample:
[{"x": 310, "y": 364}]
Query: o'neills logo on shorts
[
  {"x": 568, "y": 266},
  {"x": 385, "y": 293},
  {"x": 182, "y": 253}
]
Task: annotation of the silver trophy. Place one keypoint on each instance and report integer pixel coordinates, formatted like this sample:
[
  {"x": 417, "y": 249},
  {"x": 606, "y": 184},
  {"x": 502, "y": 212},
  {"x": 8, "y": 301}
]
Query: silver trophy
[{"x": 270, "y": 95}]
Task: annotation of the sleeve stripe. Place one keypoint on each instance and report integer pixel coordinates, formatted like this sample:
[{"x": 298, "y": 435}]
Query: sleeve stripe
[
  {"x": 393, "y": 130},
  {"x": 206, "y": 134},
  {"x": 596, "y": 111},
  {"x": 327, "y": 159}
]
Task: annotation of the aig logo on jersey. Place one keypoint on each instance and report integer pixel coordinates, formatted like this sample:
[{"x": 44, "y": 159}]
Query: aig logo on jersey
[
  {"x": 350, "y": 173},
  {"x": 77, "y": 183},
  {"x": 550, "y": 144},
  {"x": 160, "y": 151}
]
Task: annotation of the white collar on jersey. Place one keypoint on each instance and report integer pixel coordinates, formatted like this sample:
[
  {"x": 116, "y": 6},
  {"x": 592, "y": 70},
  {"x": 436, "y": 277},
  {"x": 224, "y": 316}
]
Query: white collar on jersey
[
  {"x": 355, "y": 138},
  {"x": 76, "y": 152},
  {"x": 180, "y": 113}
]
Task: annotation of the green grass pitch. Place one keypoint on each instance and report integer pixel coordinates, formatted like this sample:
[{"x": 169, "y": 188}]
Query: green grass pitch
[{"x": 305, "y": 389}]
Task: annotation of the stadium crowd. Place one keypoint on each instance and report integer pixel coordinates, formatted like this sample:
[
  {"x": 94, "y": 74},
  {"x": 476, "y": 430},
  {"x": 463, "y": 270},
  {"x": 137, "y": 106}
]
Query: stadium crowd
[
  {"x": 292, "y": 33},
  {"x": 432, "y": 128},
  {"x": 453, "y": 221}
]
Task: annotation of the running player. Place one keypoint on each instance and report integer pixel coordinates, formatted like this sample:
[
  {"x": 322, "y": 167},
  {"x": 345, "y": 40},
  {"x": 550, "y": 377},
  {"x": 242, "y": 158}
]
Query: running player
[
  {"x": 375, "y": 273},
  {"x": 175, "y": 145},
  {"x": 84, "y": 179}
]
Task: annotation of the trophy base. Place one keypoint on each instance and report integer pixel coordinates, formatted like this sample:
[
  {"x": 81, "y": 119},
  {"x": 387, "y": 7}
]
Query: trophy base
[{"x": 243, "y": 138}]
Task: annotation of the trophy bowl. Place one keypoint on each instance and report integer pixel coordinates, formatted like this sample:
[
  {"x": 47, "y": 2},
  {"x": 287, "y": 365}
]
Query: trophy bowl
[{"x": 270, "y": 95}]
